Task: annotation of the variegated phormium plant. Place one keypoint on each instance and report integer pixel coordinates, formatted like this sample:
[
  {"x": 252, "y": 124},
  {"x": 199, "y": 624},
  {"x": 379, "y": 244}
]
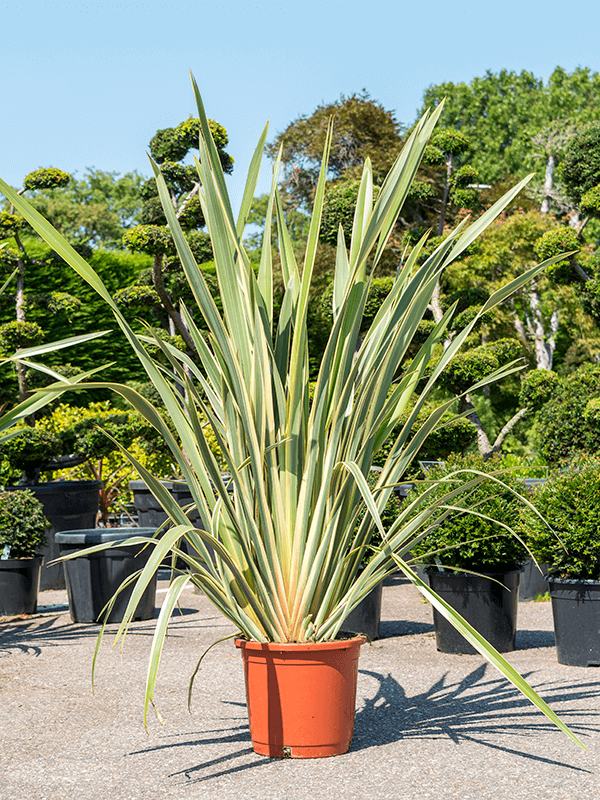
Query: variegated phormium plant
[{"x": 281, "y": 552}]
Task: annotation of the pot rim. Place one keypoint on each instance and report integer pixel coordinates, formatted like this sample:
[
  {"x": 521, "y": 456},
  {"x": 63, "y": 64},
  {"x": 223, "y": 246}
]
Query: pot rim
[
  {"x": 13, "y": 562},
  {"x": 291, "y": 647},
  {"x": 454, "y": 573},
  {"x": 585, "y": 581}
]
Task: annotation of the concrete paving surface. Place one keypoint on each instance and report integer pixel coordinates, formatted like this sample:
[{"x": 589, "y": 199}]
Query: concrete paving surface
[{"x": 428, "y": 725}]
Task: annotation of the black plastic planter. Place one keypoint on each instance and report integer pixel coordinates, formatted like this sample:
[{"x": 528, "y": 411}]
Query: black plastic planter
[
  {"x": 19, "y": 585},
  {"x": 68, "y": 505},
  {"x": 92, "y": 580},
  {"x": 576, "y": 612},
  {"x": 489, "y": 607},
  {"x": 533, "y": 582},
  {"x": 150, "y": 512},
  {"x": 365, "y": 618}
]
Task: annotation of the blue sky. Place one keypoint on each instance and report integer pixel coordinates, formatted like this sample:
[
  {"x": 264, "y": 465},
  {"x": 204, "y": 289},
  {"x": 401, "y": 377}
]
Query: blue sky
[{"x": 88, "y": 84}]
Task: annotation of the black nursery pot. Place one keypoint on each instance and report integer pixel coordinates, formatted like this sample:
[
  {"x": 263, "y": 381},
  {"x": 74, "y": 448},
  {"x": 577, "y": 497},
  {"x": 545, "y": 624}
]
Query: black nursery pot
[
  {"x": 68, "y": 505},
  {"x": 92, "y": 580},
  {"x": 19, "y": 585},
  {"x": 366, "y": 617},
  {"x": 489, "y": 607},
  {"x": 576, "y": 612}
]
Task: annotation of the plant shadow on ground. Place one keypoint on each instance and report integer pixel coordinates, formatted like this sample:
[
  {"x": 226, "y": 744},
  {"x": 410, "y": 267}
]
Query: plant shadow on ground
[
  {"x": 475, "y": 709},
  {"x": 31, "y": 636}
]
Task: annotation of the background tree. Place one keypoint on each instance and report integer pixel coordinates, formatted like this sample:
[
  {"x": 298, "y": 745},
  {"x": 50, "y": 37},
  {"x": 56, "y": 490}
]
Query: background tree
[
  {"x": 95, "y": 210},
  {"x": 362, "y": 128},
  {"x": 163, "y": 287},
  {"x": 502, "y": 114},
  {"x": 21, "y": 333}
]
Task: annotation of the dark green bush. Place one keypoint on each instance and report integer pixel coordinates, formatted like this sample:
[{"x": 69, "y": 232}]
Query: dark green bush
[
  {"x": 454, "y": 436},
  {"x": 22, "y": 524},
  {"x": 537, "y": 387},
  {"x": 465, "y": 541},
  {"x": 562, "y": 430},
  {"x": 47, "y": 178},
  {"x": 18, "y": 334},
  {"x": 151, "y": 239},
  {"x": 570, "y": 503},
  {"x": 29, "y": 449}
]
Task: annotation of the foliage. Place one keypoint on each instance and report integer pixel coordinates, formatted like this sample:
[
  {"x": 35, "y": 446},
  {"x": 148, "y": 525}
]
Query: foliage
[
  {"x": 362, "y": 129},
  {"x": 27, "y": 451},
  {"x": 173, "y": 144},
  {"x": 452, "y": 436},
  {"x": 501, "y": 112},
  {"x": 22, "y": 524},
  {"x": 474, "y": 365},
  {"x": 450, "y": 141},
  {"x": 9, "y": 223},
  {"x": 581, "y": 163},
  {"x": 463, "y": 540},
  {"x": 77, "y": 430},
  {"x": 47, "y": 178},
  {"x": 553, "y": 243},
  {"x": 285, "y": 556},
  {"x": 590, "y": 201},
  {"x": 95, "y": 209},
  {"x": 562, "y": 430},
  {"x": 537, "y": 388},
  {"x": 150, "y": 239},
  {"x": 16, "y": 335},
  {"x": 566, "y": 537}
]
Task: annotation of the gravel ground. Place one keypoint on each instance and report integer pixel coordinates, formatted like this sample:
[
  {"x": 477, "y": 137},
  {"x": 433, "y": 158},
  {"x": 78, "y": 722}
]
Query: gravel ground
[{"x": 427, "y": 724}]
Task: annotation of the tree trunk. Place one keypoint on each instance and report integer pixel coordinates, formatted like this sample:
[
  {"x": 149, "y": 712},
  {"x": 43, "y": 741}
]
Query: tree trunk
[
  {"x": 548, "y": 185},
  {"x": 442, "y": 219},
  {"x": 544, "y": 345},
  {"x": 157, "y": 280}
]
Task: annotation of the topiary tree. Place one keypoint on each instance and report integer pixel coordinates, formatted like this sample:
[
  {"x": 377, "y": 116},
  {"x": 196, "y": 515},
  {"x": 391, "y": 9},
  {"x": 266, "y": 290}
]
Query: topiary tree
[
  {"x": 163, "y": 288},
  {"x": 21, "y": 333},
  {"x": 444, "y": 149},
  {"x": 66, "y": 440}
]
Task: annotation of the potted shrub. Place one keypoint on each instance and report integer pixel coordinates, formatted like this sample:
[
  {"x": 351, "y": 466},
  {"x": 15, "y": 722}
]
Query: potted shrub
[
  {"x": 22, "y": 537},
  {"x": 281, "y": 557},
  {"x": 473, "y": 558},
  {"x": 568, "y": 541}
]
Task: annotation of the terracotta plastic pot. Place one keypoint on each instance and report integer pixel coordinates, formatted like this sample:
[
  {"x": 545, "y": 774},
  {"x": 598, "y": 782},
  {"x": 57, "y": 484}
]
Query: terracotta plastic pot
[{"x": 301, "y": 697}]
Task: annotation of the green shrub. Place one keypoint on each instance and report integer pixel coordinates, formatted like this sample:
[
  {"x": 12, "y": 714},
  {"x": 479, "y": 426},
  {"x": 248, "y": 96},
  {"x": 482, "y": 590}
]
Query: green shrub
[
  {"x": 453, "y": 437},
  {"x": 569, "y": 502},
  {"x": 562, "y": 430},
  {"x": 466, "y": 541},
  {"x": 22, "y": 524},
  {"x": 537, "y": 387},
  {"x": 29, "y": 449}
]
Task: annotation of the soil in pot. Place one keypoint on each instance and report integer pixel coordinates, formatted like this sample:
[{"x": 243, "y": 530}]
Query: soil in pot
[
  {"x": 301, "y": 696},
  {"x": 489, "y": 607},
  {"x": 576, "y": 612},
  {"x": 19, "y": 585}
]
